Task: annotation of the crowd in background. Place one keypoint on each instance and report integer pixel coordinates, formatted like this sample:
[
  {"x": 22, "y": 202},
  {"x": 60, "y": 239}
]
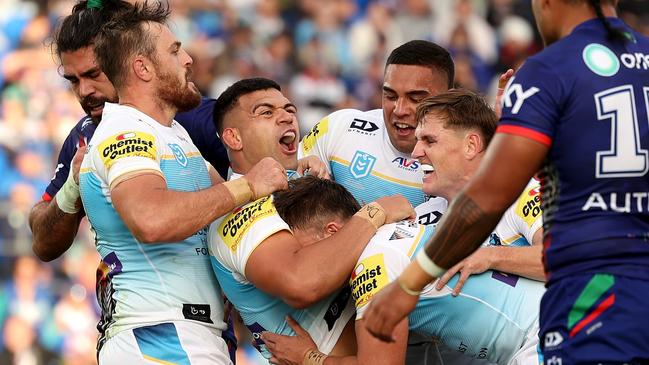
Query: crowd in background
[{"x": 326, "y": 55}]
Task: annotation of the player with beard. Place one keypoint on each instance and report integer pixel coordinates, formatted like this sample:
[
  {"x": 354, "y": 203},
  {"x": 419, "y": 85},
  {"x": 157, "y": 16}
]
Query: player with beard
[
  {"x": 150, "y": 196},
  {"x": 55, "y": 220}
]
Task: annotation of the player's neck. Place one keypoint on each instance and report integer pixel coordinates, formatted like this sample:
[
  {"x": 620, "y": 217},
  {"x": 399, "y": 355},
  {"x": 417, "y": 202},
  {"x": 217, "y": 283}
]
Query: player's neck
[
  {"x": 577, "y": 15},
  {"x": 150, "y": 106}
]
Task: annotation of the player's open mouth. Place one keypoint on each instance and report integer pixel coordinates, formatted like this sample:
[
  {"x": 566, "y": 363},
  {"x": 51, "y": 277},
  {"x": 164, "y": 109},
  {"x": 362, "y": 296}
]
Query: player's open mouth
[
  {"x": 427, "y": 169},
  {"x": 288, "y": 142},
  {"x": 404, "y": 129}
]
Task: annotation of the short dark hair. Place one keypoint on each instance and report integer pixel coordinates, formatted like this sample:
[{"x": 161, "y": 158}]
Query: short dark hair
[
  {"x": 424, "y": 53},
  {"x": 125, "y": 36},
  {"x": 311, "y": 201},
  {"x": 229, "y": 98},
  {"x": 79, "y": 29},
  {"x": 461, "y": 109}
]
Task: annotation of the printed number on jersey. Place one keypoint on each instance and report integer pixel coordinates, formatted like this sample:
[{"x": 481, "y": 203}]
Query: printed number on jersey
[{"x": 626, "y": 158}]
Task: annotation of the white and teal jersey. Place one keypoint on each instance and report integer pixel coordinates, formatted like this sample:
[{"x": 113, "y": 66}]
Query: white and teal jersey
[
  {"x": 232, "y": 239},
  {"x": 516, "y": 227},
  {"x": 142, "y": 284},
  {"x": 521, "y": 221},
  {"x": 360, "y": 156},
  {"x": 491, "y": 317}
]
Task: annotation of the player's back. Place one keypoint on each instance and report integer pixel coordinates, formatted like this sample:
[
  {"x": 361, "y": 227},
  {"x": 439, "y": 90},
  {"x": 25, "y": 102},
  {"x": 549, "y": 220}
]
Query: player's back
[
  {"x": 491, "y": 317},
  {"x": 587, "y": 98}
]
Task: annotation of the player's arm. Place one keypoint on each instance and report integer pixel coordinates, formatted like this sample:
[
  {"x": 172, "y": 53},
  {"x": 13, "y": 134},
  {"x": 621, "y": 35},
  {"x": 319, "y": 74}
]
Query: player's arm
[
  {"x": 294, "y": 349},
  {"x": 55, "y": 223},
  {"x": 469, "y": 220},
  {"x": 302, "y": 275},
  {"x": 524, "y": 261},
  {"x": 154, "y": 213}
]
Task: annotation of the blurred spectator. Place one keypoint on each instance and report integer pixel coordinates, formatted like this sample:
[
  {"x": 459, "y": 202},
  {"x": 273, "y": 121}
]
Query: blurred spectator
[{"x": 21, "y": 346}]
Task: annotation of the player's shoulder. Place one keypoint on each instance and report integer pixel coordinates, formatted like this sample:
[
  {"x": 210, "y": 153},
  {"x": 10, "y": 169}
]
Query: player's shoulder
[
  {"x": 233, "y": 227},
  {"x": 528, "y": 205}
]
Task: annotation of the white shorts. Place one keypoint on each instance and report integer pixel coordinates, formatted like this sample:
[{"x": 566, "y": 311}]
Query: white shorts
[
  {"x": 182, "y": 343},
  {"x": 530, "y": 351}
]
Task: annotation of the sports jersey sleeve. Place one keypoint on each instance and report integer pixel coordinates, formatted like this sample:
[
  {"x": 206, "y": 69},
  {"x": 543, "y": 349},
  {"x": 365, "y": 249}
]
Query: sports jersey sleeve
[
  {"x": 523, "y": 218},
  {"x": 531, "y": 103},
  {"x": 66, "y": 154},
  {"x": 320, "y": 140},
  {"x": 126, "y": 147},
  {"x": 235, "y": 237},
  {"x": 377, "y": 267}
]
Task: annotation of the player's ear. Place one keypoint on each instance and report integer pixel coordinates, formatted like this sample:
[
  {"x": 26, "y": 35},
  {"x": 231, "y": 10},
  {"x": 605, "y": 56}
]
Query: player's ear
[
  {"x": 473, "y": 145},
  {"x": 232, "y": 139},
  {"x": 143, "y": 68},
  {"x": 332, "y": 227}
]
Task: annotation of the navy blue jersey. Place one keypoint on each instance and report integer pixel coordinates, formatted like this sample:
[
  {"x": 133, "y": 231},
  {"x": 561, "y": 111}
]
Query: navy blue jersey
[
  {"x": 79, "y": 135},
  {"x": 198, "y": 123},
  {"x": 587, "y": 98}
]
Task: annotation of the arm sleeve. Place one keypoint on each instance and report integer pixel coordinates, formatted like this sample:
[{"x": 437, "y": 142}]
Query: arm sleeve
[
  {"x": 531, "y": 103},
  {"x": 237, "y": 235},
  {"x": 318, "y": 141},
  {"x": 126, "y": 147},
  {"x": 62, "y": 170},
  {"x": 377, "y": 267}
]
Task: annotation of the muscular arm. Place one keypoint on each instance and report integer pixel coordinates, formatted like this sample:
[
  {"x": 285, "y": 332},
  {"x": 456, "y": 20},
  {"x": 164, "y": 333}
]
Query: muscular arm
[
  {"x": 153, "y": 213},
  {"x": 301, "y": 275},
  {"x": 53, "y": 230},
  {"x": 522, "y": 261}
]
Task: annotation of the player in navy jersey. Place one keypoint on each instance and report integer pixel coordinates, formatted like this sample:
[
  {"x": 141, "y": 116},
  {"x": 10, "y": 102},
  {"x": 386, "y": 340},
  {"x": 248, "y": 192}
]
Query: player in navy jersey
[{"x": 580, "y": 110}]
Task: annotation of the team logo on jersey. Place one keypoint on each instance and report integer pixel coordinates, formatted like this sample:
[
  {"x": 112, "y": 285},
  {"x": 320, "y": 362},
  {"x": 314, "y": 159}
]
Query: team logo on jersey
[
  {"x": 130, "y": 144},
  {"x": 600, "y": 60},
  {"x": 318, "y": 131},
  {"x": 363, "y": 126},
  {"x": 406, "y": 164},
  {"x": 528, "y": 206},
  {"x": 362, "y": 164},
  {"x": 179, "y": 154},
  {"x": 368, "y": 278},
  {"x": 235, "y": 226}
]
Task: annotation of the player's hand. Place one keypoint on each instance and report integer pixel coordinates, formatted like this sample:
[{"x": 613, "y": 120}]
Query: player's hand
[
  {"x": 397, "y": 208},
  {"x": 289, "y": 349},
  {"x": 502, "y": 82},
  {"x": 76, "y": 162},
  {"x": 387, "y": 309},
  {"x": 479, "y": 262},
  {"x": 266, "y": 177},
  {"x": 312, "y": 165}
]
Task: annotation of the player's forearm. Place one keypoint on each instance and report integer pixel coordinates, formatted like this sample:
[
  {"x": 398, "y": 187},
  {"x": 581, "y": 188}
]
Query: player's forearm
[
  {"x": 168, "y": 215},
  {"x": 53, "y": 230},
  {"x": 461, "y": 231},
  {"x": 522, "y": 261},
  {"x": 324, "y": 267}
]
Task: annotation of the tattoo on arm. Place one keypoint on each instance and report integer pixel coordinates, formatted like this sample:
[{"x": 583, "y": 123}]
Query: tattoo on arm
[{"x": 461, "y": 231}]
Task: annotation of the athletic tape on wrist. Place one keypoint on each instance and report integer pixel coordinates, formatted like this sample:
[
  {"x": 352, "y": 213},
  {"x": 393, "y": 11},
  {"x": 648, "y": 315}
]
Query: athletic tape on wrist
[
  {"x": 240, "y": 190},
  {"x": 66, "y": 198},
  {"x": 428, "y": 265},
  {"x": 374, "y": 213},
  {"x": 314, "y": 357},
  {"x": 404, "y": 287}
]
